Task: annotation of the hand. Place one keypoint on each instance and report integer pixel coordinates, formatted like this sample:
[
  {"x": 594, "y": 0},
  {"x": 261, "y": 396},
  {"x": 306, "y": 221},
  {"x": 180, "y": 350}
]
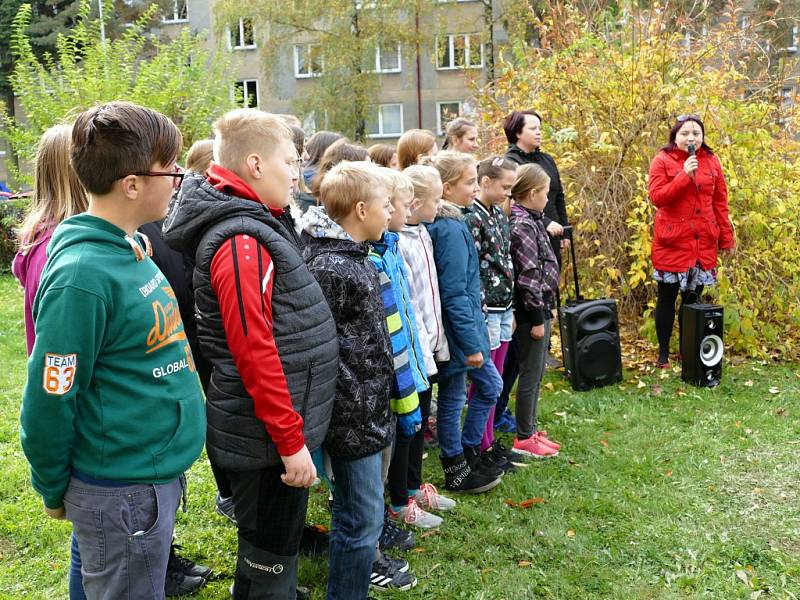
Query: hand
[
  {"x": 555, "y": 229},
  {"x": 690, "y": 166},
  {"x": 300, "y": 469},
  {"x": 728, "y": 251},
  {"x": 565, "y": 243},
  {"x": 537, "y": 332},
  {"x": 474, "y": 360},
  {"x": 56, "y": 513},
  {"x": 410, "y": 424}
]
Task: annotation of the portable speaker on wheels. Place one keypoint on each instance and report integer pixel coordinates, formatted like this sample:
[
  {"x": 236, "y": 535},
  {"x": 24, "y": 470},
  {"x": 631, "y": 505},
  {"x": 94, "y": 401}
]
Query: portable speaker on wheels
[
  {"x": 702, "y": 344},
  {"x": 589, "y": 339}
]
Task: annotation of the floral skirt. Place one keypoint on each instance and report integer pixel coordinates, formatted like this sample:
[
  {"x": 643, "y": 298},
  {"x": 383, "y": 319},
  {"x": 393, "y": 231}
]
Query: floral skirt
[{"x": 688, "y": 280}]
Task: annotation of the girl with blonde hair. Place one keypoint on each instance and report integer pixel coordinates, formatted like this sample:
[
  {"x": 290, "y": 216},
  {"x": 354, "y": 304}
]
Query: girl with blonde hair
[{"x": 413, "y": 145}]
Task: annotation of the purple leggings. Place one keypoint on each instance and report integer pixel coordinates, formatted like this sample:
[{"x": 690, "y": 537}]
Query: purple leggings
[{"x": 498, "y": 357}]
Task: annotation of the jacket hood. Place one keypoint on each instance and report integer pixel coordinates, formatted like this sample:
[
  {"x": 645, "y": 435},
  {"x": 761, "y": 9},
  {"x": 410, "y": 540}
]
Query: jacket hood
[
  {"x": 200, "y": 205},
  {"x": 450, "y": 211},
  {"x": 388, "y": 243},
  {"x": 87, "y": 228},
  {"x": 322, "y": 234}
]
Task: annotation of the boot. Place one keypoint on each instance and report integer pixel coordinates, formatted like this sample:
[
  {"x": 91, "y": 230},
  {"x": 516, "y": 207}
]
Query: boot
[
  {"x": 476, "y": 462},
  {"x": 262, "y": 575},
  {"x": 458, "y": 477}
]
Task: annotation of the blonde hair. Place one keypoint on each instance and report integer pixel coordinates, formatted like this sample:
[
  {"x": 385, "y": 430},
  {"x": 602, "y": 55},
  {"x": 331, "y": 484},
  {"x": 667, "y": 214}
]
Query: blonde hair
[
  {"x": 456, "y": 129},
  {"x": 422, "y": 177},
  {"x": 412, "y": 144},
  {"x": 245, "y": 131},
  {"x": 400, "y": 182},
  {"x": 349, "y": 183},
  {"x": 451, "y": 165},
  {"x": 57, "y": 191},
  {"x": 381, "y": 154},
  {"x": 530, "y": 178},
  {"x": 200, "y": 156}
]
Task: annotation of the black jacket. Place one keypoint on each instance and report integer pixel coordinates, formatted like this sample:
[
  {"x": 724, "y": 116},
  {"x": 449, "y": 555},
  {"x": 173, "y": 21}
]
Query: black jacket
[
  {"x": 556, "y": 209},
  {"x": 361, "y": 423}
]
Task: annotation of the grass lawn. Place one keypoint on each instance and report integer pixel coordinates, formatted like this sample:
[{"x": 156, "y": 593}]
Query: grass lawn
[{"x": 661, "y": 491}]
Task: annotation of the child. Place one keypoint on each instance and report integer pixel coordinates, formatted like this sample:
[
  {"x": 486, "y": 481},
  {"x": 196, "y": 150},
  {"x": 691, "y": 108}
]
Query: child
[
  {"x": 384, "y": 155},
  {"x": 413, "y": 145},
  {"x": 266, "y": 328},
  {"x": 457, "y": 266},
  {"x": 489, "y": 228},
  {"x": 357, "y": 209},
  {"x": 388, "y": 260},
  {"x": 110, "y": 355},
  {"x": 536, "y": 283}
]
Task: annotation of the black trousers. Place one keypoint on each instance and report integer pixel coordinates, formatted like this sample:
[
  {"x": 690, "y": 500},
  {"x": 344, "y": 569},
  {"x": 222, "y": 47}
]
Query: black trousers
[
  {"x": 405, "y": 470},
  {"x": 665, "y": 313}
]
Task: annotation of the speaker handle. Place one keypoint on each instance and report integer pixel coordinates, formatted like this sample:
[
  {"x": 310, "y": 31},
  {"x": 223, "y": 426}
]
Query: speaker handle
[{"x": 568, "y": 229}]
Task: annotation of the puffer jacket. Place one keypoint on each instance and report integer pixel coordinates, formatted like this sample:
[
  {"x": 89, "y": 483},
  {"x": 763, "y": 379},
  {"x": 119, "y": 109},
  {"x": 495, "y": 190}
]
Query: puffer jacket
[
  {"x": 458, "y": 269},
  {"x": 362, "y": 423},
  {"x": 489, "y": 229},
  {"x": 691, "y": 220}
]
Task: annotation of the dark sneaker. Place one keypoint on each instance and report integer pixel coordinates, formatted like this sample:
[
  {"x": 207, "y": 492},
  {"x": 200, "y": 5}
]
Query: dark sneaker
[
  {"x": 458, "y": 477},
  {"x": 476, "y": 462},
  {"x": 506, "y": 422},
  {"x": 489, "y": 458},
  {"x": 178, "y": 584},
  {"x": 518, "y": 460},
  {"x": 225, "y": 508},
  {"x": 315, "y": 541},
  {"x": 386, "y": 574},
  {"x": 184, "y": 565},
  {"x": 393, "y": 537}
]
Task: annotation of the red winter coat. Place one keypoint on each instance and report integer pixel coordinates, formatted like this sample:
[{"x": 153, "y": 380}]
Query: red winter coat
[{"x": 692, "y": 217}]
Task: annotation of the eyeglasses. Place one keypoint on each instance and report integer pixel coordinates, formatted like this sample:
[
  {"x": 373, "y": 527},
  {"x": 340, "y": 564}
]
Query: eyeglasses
[
  {"x": 684, "y": 118},
  {"x": 177, "y": 175}
]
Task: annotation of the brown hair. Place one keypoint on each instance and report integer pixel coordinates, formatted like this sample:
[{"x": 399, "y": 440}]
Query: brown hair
[
  {"x": 349, "y": 183},
  {"x": 317, "y": 144},
  {"x": 200, "y": 156},
  {"x": 515, "y": 122},
  {"x": 451, "y": 165},
  {"x": 341, "y": 150},
  {"x": 244, "y": 131},
  {"x": 381, "y": 154},
  {"x": 413, "y": 144},
  {"x": 494, "y": 166},
  {"x": 530, "y": 178},
  {"x": 456, "y": 129},
  {"x": 57, "y": 193},
  {"x": 114, "y": 140}
]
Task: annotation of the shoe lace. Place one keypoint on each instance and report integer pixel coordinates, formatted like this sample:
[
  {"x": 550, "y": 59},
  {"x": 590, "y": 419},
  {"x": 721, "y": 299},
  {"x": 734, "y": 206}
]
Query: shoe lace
[
  {"x": 384, "y": 566},
  {"x": 414, "y": 512},
  {"x": 430, "y": 494}
]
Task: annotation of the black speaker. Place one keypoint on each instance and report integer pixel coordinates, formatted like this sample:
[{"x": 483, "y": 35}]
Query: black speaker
[
  {"x": 702, "y": 344},
  {"x": 590, "y": 343}
]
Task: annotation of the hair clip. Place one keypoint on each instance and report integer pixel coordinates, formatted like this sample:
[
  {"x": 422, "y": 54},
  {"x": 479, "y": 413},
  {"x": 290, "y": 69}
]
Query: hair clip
[{"x": 498, "y": 161}]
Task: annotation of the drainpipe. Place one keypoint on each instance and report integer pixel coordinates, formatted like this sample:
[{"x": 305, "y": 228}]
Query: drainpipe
[{"x": 419, "y": 79}]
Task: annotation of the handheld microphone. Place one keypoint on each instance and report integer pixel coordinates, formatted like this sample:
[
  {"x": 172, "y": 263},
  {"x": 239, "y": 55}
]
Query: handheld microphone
[{"x": 691, "y": 149}]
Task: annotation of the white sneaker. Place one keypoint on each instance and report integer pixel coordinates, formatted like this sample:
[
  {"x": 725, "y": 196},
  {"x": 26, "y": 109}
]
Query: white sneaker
[
  {"x": 429, "y": 498},
  {"x": 412, "y": 514}
]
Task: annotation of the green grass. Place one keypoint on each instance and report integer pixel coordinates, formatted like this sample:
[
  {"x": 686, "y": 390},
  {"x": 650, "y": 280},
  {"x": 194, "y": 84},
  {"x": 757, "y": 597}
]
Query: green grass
[{"x": 662, "y": 491}]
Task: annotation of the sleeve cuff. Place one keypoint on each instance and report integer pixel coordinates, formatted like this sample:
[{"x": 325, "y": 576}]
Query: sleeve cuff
[
  {"x": 53, "y": 502},
  {"x": 537, "y": 316},
  {"x": 292, "y": 445}
]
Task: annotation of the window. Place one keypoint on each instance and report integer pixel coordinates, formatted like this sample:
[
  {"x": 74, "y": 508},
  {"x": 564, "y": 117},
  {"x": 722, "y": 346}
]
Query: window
[
  {"x": 459, "y": 51},
  {"x": 387, "y": 121},
  {"x": 446, "y": 112},
  {"x": 795, "y": 39},
  {"x": 307, "y": 60},
  {"x": 248, "y": 88},
  {"x": 387, "y": 59},
  {"x": 242, "y": 37},
  {"x": 179, "y": 12}
]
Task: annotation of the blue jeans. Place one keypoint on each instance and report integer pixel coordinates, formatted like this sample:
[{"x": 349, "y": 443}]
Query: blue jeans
[
  {"x": 75, "y": 578},
  {"x": 357, "y": 523},
  {"x": 451, "y": 399}
]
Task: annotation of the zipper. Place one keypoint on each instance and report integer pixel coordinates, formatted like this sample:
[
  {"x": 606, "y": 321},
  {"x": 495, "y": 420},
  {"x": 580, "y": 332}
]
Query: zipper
[{"x": 307, "y": 391}]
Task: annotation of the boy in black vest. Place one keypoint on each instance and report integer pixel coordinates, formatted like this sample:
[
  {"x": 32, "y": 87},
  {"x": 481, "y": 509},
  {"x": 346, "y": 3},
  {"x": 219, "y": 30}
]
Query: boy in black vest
[{"x": 265, "y": 326}]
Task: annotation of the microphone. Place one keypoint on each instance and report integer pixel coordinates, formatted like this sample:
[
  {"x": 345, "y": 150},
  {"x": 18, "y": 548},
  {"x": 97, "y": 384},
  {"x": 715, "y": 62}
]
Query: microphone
[{"x": 691, "y": 149}]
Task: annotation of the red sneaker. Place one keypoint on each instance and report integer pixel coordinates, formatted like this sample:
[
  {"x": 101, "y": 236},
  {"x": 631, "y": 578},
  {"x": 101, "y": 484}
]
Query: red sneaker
[
  {"x": 533, "y": 447},
  {"x": 546, "y": 441}
]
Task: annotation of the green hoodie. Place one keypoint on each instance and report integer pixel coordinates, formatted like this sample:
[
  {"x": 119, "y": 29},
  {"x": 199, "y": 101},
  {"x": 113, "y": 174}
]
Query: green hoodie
[{"x": 111, "y": 388}]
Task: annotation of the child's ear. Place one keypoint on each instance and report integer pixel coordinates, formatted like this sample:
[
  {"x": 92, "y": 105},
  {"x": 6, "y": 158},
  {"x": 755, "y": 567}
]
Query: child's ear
[
  {"x": 130, "y": 186},
  {"x": 254, "y": 165},
  {"x": 361, "y": 210},
  {"x": 415, "y": 204},
  {"x": 446, "y": 189}
]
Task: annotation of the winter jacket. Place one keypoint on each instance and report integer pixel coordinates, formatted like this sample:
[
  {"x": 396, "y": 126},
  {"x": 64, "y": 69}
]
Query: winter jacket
[
  {"x": 27, "y": 268},
  {"x": 691, "y": 219},
  {"x": 535, "y": 265},
  {"x": 458, "y": 269},
  {"x": 489, "y": 229},
  {"x": 262, "y": 322},
  {"x": 362, "y": 423},
  {"x": 111, "y": 389},
  {"x": 556, "y": 209},
  {"x": 416, "y": 248}
]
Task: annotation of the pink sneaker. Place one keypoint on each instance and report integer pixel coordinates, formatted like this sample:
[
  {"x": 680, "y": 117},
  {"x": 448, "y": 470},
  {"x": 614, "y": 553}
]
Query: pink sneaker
[
  {"x": 429, "y": 498},
  {"x": 547, "y": 441},
  {"x": 533, "y": 447}
]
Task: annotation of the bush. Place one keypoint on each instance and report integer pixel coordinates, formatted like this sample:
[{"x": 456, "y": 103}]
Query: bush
[
  {"x": 11, "y": 214},
  {"x": 607, "y": 103}
]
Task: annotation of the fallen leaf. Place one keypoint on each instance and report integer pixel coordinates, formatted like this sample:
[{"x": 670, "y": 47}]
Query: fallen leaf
[
  {"x": 560, "y": 414},
  {"x": 530, "y": 502},
  {"x": 549, "y": 385},
  {"x": 641, "y": 384},
  {"x": 419, "y": 549},
  {"x": 524, "y": 563},
  {"x": 510, "y": 502},
  {"x": 604, "y": 443},
  {"x": 758, "y": 490},
  {"x": 748, "y": 383},
  {"x": 669, "y": 473},
  {"x": 570, "y": 533},
  {"x": 781, "y": 412},
  {"x": 742, "y": 575},
  {"x": 428, "y": 533},
  {"x": 773, "y": 390}
]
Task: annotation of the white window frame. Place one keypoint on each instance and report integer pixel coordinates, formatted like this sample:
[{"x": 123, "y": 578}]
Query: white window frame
[
  {"x": 296, "y": 54},
  {"x": 451, "y": 37},
  {"x": 176, "y": 13},
  {"x": 381, "y": 133},
  {"x": 244, "y": 83},
  {"x": 240, "y": 29},
  {"x": 378, "y": 67},
  {"x": 439, "y": 124},
  {"x": 795, "y": 39}
]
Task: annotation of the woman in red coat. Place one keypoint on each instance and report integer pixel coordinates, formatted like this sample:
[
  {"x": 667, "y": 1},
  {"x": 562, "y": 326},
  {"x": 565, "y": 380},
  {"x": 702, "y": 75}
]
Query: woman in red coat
[{"x": 688, "y": 189}]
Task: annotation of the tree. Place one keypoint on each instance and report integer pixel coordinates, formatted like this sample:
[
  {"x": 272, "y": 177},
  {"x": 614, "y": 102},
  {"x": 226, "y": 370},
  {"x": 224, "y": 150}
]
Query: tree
[
  {"x": 179, "y": 78},
  {"x": 341, "y": 62}
]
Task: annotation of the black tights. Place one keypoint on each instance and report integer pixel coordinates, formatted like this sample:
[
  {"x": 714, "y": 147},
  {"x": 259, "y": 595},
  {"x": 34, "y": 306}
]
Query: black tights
[{"x": 665, "y": 313}]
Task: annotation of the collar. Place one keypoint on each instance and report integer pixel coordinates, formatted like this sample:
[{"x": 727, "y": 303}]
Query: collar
[{"x": 230, "y": 183}]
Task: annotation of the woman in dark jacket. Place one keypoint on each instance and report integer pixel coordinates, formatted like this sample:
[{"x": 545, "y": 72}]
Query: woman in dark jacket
[{"x": 688, "y": 188}]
